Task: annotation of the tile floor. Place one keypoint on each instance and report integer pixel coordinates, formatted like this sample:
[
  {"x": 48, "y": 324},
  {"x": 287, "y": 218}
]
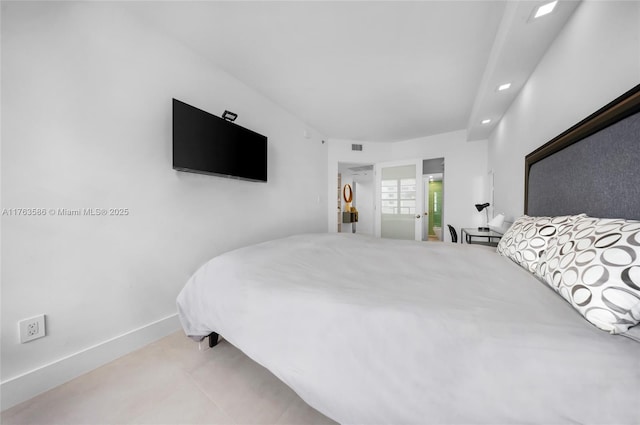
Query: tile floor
[{"x": 171, "y": 382}]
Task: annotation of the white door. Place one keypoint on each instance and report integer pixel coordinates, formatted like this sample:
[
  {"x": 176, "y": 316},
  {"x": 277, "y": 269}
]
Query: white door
[{"x": 399, "y": 199}]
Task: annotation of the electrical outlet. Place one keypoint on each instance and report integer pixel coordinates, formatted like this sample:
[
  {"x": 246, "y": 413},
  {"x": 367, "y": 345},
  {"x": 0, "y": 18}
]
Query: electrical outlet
[{"x": 31, "y": 329}]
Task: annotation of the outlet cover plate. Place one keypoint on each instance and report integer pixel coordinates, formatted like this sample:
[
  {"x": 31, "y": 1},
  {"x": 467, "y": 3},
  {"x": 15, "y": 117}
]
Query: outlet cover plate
[{"x": 32, "y": 328}]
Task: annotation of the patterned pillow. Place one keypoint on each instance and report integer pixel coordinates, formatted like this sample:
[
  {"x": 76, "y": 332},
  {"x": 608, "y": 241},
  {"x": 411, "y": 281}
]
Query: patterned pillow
[
  {"x": 527, "y": 238},
  {"x": 595, "y": 265}
]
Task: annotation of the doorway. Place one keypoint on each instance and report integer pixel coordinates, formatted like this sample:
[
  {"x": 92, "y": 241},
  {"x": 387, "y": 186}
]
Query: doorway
[
  {"x": 361, "y": 179},
  {"x": 433, "y": 179}
]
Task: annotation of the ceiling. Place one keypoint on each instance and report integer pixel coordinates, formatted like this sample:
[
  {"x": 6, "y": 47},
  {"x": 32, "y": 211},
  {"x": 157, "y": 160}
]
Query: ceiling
[
  {"x": 358, "y": 172},
  {"x": 371, "y": 70}
]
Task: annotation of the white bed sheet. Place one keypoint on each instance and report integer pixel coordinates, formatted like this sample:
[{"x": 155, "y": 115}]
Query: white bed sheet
[{"x": 378, "y": 331}]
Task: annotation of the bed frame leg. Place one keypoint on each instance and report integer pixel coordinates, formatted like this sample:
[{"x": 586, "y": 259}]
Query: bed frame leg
[{"x": 213, "y": 339}]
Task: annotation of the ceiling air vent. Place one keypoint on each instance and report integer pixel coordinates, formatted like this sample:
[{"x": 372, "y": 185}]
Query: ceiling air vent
[{"x": 356, "y": 147}]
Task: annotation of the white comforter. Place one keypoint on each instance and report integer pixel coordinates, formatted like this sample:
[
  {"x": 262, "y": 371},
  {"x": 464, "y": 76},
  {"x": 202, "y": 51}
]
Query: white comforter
[{"x": 377, "y": 331}]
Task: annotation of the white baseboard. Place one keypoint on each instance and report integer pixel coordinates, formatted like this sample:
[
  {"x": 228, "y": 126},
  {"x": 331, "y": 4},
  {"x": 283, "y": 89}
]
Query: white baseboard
[{"x": 27, "y": 385}]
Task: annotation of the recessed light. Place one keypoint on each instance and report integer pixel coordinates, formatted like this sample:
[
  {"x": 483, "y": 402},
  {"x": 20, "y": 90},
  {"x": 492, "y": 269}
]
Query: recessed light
[
  {"x": 487, "y": 121},
  {"x": 545, "y": 9},
  {"x": 504, "y": 86}
]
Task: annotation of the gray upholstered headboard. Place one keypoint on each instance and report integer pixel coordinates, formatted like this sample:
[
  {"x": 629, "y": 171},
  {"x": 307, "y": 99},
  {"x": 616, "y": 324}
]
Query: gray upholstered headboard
[{"x": 593, "y": 168}]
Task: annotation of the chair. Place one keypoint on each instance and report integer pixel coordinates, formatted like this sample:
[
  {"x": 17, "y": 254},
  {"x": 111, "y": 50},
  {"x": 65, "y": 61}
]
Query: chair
[{"x": 454, "y": 234}]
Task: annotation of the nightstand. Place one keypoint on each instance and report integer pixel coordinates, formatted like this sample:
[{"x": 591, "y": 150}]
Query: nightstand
[{"x": 474, "y": 236}]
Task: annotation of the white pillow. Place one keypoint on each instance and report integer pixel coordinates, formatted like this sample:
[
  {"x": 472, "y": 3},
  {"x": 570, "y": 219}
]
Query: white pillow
[
  {"x": 595, "y": 265},
  {"x": 527, "y": 238}
]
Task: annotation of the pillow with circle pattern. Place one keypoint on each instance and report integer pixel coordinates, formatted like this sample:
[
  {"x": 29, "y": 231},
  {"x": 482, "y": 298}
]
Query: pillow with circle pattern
[
  {"x": 595, "y": 265},
  {"x": 527, "y": 238}
]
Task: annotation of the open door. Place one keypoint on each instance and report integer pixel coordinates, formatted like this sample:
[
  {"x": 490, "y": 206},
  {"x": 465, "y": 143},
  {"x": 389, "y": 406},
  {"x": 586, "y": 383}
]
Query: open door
[{"x": 399, "y": 199}]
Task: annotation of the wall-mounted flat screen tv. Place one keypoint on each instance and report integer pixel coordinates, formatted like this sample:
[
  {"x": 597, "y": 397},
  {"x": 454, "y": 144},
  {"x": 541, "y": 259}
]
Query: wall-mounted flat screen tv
[{"x": 206, "y": 144}]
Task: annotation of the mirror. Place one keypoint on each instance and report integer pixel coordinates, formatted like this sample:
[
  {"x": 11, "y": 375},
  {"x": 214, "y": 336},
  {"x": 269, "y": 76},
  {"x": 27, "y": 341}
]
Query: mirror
[{"x": 346, "y": 193}]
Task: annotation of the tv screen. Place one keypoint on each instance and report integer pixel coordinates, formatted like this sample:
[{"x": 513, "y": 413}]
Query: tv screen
[{"x": 206, "y": 144}]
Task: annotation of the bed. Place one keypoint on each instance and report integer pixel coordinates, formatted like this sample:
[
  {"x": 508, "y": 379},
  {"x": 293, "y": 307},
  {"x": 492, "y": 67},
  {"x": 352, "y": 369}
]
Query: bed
[{"x": 371, "y": 330}]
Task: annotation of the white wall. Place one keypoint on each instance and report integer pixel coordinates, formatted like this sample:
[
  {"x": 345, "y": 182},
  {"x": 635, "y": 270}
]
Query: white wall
[
  {"x": 595, "y": 59},
  {"x": 365, "y": 202},
  {"x": 86, "y": 123},
  {"x": 465, "y": 175}
]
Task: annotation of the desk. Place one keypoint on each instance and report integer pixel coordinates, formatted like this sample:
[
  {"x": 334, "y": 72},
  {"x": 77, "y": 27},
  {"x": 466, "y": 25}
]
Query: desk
[{"x": 490, "y": 238}]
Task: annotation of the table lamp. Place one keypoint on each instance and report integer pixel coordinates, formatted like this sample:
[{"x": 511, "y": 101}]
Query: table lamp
[{"x": 481, "y": 207}]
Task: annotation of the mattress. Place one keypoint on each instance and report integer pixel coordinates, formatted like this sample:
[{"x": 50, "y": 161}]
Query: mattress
[{"x": 370, "y": 330}]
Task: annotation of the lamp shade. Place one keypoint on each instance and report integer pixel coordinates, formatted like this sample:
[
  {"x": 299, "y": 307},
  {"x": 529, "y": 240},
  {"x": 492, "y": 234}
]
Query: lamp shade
[
  {"x": 480, "y": 207},
  {"x": 497, "y": 222}
]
